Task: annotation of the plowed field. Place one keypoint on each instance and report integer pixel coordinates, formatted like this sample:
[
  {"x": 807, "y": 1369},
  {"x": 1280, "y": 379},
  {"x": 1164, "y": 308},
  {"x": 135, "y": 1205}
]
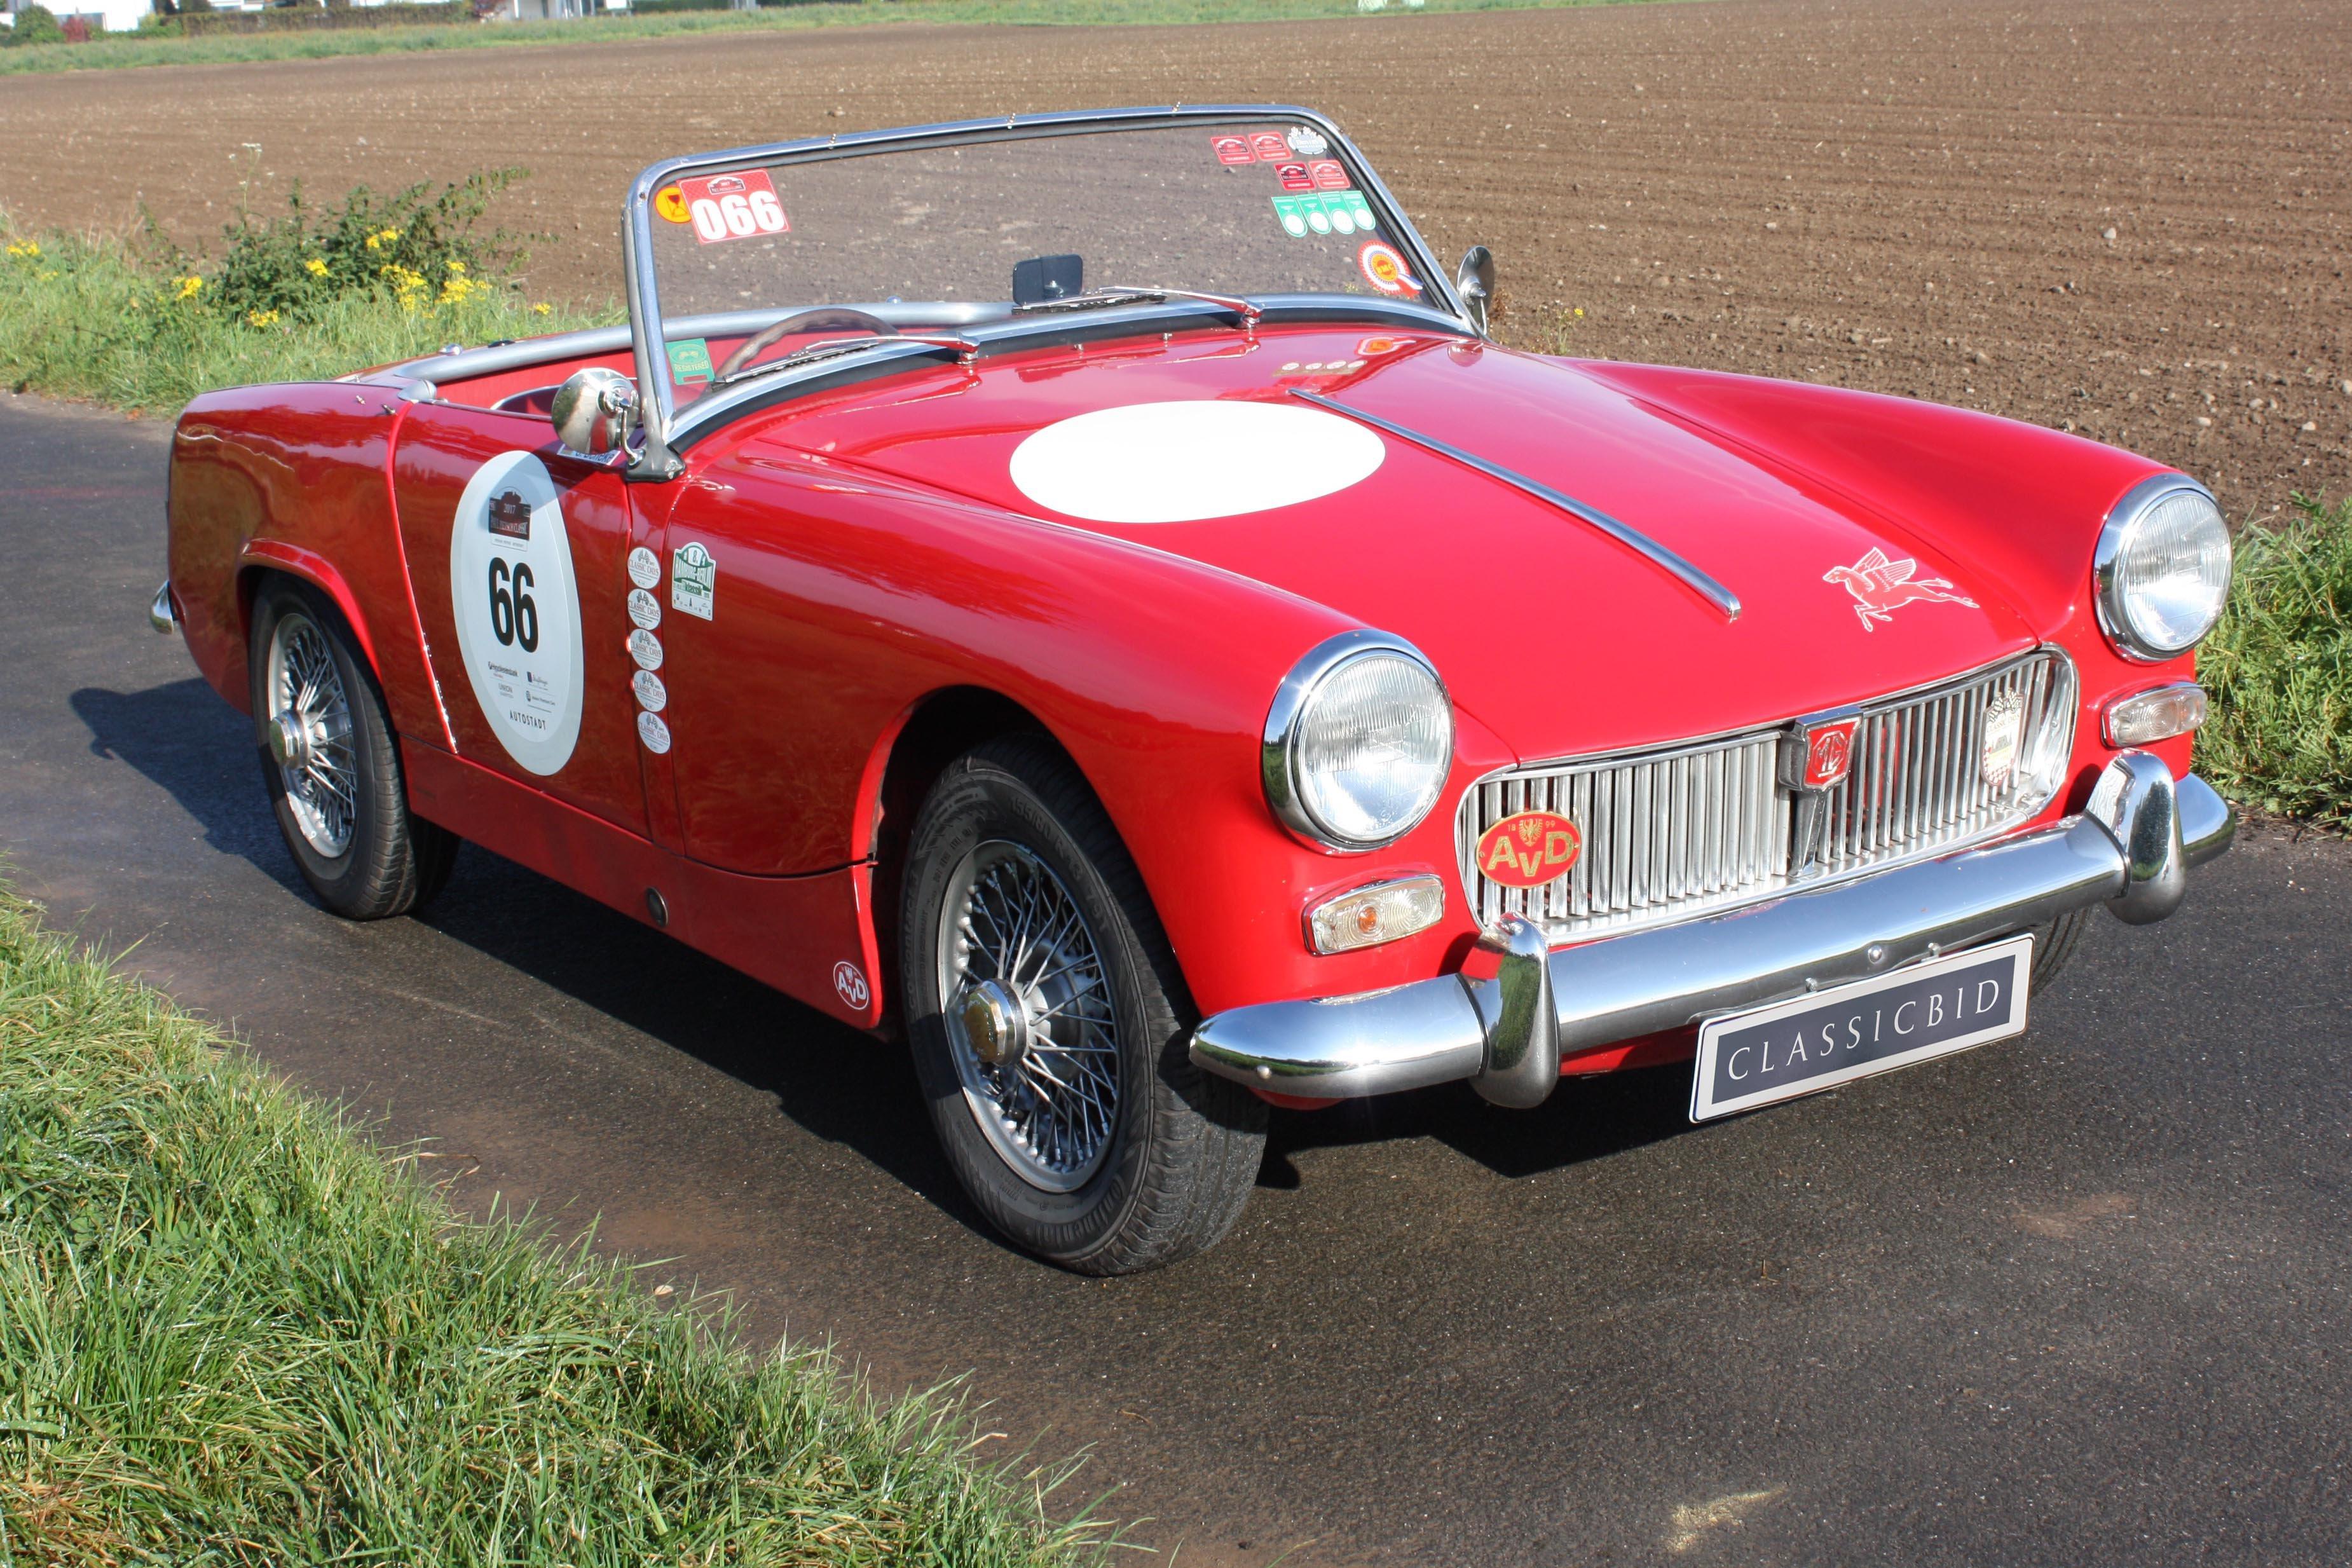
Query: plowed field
[{"x": 2129, "y": 217}]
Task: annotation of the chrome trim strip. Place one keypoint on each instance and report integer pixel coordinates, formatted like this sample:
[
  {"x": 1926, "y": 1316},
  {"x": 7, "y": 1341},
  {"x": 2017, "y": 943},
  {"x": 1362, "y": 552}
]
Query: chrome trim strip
[
  {"x": 1452, "y": 1027},
  {"x": 2108, "y": 588},
  {"x": 660, "y": 401},
  {"x": 1690, "y": 576}
]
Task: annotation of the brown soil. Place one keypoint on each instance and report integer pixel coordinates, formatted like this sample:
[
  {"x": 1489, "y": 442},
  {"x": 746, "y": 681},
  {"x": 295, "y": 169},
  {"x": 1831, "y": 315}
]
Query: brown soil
[{"x": 2129, "y": 218}]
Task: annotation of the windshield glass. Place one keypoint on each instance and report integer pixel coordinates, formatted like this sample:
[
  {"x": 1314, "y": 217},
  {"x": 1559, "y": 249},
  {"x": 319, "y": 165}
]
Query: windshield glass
[{"x": 979, "y": 229}]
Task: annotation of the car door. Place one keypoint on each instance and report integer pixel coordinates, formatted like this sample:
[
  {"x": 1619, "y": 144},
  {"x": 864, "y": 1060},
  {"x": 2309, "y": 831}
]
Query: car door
[{"x": 517, "y": 556}]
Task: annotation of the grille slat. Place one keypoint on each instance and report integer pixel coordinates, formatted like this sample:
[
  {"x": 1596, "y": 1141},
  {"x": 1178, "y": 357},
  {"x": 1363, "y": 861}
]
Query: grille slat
[{"x": 1680, "y": 830}]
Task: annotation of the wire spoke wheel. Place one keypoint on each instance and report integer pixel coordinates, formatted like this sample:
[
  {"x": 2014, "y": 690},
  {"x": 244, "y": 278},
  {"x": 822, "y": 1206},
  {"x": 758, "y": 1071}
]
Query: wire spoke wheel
[
  {"x": 309, "y": 732},
  {"x": 1029, "y": 1017}
]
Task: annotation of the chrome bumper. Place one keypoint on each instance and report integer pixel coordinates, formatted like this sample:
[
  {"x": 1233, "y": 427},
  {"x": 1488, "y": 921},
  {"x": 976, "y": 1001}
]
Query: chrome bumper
[{"x": 2131, "y": 850}]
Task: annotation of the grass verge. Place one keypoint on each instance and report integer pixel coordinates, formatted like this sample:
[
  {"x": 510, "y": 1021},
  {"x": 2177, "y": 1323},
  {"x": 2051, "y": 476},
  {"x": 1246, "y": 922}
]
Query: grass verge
[
  {"x": 109, "y": 52},
  {"x": 2278, "y": 669},
  {"x": 83, "y": 317},
  {"x": 231, "y": 1331}
]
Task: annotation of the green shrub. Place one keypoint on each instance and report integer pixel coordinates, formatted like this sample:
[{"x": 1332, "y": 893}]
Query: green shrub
[
  {"x": 2279, "y": 670},
  {"x": 413, "y": 247},
  {"x": 36, "y": 24}
]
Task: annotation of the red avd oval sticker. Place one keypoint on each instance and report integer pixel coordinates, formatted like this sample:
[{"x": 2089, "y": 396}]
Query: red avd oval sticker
[{"x": 1528, "y": 850}]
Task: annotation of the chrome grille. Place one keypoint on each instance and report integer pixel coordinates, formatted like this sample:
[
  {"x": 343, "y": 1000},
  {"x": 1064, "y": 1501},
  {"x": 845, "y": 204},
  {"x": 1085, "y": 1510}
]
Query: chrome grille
[{"x": 1673, "y": 832}]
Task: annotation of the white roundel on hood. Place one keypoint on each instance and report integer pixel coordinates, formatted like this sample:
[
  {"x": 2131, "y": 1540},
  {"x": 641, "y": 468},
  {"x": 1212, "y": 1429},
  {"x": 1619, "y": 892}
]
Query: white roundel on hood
[{"x": 1182, "y": 462}]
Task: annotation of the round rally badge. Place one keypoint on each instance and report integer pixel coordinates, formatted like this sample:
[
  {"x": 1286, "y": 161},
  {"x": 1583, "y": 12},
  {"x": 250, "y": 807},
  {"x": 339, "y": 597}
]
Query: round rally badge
[
  {"x": 670, "y": 203},
  {"x": 1384, "y": 269},
  {"x": 1528, "y": 850},
  {"x": 1306, "y": 142},
  {"x": 652, "y": 732},
  {"x": 645, "y": 649},
  {"x": 644, "y": 567},
  {"x": 652, "y": 695},
  {"x": 517, "y": 610},
  {"x": 645, "y": 610},
  {"x": 849, "y": 985}
]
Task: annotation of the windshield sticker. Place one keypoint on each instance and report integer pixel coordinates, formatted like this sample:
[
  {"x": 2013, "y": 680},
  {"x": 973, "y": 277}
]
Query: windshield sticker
[
  {"x": 1327, "y": 174},
  {"x": 693, "y": 580},
  {"x": 1385, "y": 270},
  {"x": 689, "y": 361},
  {"x": 670, "y": 203},
  {"x": 1306, "y": 141},
  {"x": 734, "y": 206},
  {"x": 1269, "y": 146},
  {"x": 1233, "y": 149},
  {"x": 1292, "y": 211},
  {"x": 1294, "y": 176}
]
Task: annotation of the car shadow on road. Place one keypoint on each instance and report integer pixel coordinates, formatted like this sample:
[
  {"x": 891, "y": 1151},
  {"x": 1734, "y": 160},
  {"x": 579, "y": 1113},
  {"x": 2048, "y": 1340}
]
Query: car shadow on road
[
  {"x": 182, "y": 737},
  {"x": 1584, "y": 1119}
]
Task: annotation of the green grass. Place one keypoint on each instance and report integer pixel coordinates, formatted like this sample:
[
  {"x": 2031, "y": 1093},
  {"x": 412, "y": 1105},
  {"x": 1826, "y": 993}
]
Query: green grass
[
  {"x": 86, "y": 317},
  {"x": 2279, "y": 670},
  {"x": 113, "y": 51},
  {"x": 231, "y": 1331}
]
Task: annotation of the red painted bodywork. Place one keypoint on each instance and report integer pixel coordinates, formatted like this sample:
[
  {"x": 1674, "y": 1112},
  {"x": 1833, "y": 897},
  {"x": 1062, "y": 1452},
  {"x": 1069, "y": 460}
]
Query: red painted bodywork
[{"x": 875, "y": 559}]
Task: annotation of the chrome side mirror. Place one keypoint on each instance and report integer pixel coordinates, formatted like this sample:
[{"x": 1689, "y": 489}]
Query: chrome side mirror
[
  {"x": 595, "y": 412},
  {"x": 1474, "y": 281}
]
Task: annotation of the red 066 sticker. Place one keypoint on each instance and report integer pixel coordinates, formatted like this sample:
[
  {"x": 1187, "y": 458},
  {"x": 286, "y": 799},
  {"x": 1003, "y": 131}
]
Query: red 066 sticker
[{"x": 734, "y": 206}]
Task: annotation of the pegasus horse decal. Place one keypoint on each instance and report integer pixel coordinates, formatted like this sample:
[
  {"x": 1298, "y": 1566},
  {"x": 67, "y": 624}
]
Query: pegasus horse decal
[{"x": 1881, "y": 586}]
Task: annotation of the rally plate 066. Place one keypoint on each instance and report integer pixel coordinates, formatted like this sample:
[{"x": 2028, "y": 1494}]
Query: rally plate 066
[{"x": 1819, "y": 1041}]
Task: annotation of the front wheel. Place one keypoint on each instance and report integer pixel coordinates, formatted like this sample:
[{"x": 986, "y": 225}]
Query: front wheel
[
  {"x": 330, "y": 763},
  {"x": 1049, "y": 1025}
]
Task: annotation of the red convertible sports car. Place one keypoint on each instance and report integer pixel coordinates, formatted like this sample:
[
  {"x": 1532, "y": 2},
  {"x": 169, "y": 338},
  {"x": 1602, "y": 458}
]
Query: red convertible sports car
[{"x": 1083, "y": 593}]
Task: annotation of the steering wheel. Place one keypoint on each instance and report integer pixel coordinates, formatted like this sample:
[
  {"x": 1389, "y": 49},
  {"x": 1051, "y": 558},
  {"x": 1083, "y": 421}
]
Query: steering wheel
[{"x": 826, "y": 318}]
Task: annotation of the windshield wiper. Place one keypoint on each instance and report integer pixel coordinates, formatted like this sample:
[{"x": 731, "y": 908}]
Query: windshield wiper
[
  {"x": 838, "y": 348},
  {"x": 1099, "y": 298}
]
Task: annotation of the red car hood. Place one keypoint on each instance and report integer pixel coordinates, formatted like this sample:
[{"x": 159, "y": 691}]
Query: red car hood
[{"x": 1556, "y": 636}]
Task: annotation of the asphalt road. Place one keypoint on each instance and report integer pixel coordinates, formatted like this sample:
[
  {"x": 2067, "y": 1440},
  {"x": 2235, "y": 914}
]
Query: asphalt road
[{"x": 2076, "y": 1299}]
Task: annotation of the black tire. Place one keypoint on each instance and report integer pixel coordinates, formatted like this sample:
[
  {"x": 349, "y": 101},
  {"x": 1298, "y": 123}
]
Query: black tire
[
  {"x": 2054, "y": 944},
  {"x": 366, "y": 858},
  {"x": 1180, "y": 1155}
]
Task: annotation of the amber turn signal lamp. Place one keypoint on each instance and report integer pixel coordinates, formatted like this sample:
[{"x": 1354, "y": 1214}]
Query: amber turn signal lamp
[
  {"x": 1371, "y": 915},
  {"x": 2157, "y": 714}
]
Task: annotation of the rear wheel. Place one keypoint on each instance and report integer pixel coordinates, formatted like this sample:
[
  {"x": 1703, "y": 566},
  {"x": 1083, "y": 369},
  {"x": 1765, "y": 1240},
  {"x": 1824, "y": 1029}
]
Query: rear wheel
[
  {"x": 1049, "y": 1026},
  {"x": 332, "y": 765},
  {"x": 2054, "y": 944}
]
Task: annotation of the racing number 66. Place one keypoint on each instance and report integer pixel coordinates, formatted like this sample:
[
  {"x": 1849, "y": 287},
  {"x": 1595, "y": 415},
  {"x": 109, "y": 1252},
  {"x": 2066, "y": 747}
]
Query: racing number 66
[{"x": 513, "y": 616}]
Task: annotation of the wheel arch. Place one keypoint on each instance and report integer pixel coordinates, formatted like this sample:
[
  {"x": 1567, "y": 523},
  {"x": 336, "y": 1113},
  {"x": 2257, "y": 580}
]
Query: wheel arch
[{"x": 262, "y": 559}]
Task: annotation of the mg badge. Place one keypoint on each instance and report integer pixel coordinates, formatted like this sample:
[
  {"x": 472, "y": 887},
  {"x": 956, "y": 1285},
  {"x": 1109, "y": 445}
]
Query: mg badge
[{"x": 1816, "y": 755}]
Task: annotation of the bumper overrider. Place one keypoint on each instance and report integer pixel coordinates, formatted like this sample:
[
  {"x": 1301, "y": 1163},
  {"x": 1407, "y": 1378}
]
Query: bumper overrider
[{"x": 2130, "y": 849}]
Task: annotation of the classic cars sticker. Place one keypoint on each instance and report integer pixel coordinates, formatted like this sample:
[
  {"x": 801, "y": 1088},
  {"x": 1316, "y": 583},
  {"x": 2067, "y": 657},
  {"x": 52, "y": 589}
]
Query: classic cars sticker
[
  {"x": 644, "y": 567},
  {"x": 1384, "y": 269},
  {"x": 670, "y": 203},
  {"x": 645, "y": 649},
  {"x": 1184, "y": 461},
  {"x": 1881, "y": 586},
  {"x": 689, "y": 362},
  {"x": 1306, "y": 141},
  {"x": 645, "y": 610},
  {"x": 652, "y": 695},
  {"x": 653, "y": 733},
  {"x": 1528, "y": 850},
  {"x": 734, "y": 206},
  {"x": 693, "y": 580},
  {"x": 517, "y": 610}
]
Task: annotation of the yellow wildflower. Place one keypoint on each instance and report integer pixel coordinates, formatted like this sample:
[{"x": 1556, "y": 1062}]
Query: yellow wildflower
[
  {"x": 458, "y": 267},
  {"x": 28, "y": 249},
  {"x": 539, "y": 310},
  {"x": 315, "y": 266},
  {"x": 262, "y": 318},
  {"x": 189, "y": 287},
  {"x": 382, "y": 238}
]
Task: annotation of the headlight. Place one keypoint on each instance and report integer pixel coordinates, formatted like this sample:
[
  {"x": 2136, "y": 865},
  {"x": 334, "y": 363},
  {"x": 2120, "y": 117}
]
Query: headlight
[
  {"x": 1359, "y": 742},
  {"x": 2163, "y": 569}
]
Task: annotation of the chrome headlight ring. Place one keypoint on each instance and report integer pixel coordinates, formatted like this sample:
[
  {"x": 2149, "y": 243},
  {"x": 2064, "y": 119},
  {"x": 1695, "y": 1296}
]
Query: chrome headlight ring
[
  {"x": 2111, "y": 575},
  {"x": 1290, "y": 792}
]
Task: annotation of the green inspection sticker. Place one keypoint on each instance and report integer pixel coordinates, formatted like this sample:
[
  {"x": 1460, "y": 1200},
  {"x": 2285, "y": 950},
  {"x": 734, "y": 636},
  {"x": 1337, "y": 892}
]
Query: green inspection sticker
[
  {"x": 1332, "y": 212},
  {"x": 689, "y": 361},
  {"x": 1292, "y": 211}
]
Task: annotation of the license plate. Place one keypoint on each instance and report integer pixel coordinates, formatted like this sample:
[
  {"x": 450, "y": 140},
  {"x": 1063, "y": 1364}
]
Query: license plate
[{"x": 1834, "y": 1037}]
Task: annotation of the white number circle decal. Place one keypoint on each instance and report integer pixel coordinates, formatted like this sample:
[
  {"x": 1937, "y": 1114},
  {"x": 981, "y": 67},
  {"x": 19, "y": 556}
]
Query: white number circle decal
[{"x": 517, "y": 610}]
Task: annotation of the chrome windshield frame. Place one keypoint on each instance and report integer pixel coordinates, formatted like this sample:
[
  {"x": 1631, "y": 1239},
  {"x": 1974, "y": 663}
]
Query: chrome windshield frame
[{"x": 654, "y": 458}]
